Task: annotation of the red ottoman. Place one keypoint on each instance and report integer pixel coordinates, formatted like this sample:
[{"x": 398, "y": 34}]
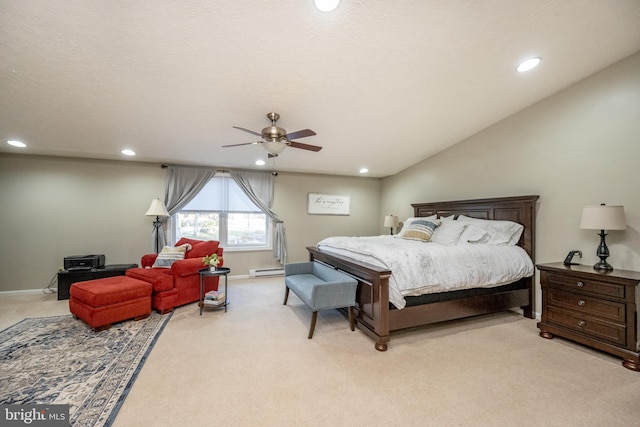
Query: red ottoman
[{"x": 101, "y": 302}]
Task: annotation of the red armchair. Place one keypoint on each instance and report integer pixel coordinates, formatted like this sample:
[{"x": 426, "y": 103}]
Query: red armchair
[{"x": 180, "y": 284}]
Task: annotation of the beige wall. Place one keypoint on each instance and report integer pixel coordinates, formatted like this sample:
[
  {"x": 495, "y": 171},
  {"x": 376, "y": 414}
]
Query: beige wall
[
  {"x": 578, "y": 147},
  {"x": 302, "y": 229},
  {"x": 54, "y": 207}
]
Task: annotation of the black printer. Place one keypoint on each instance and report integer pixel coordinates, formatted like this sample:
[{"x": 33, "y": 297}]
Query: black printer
[{"x": 83, "y": 262}]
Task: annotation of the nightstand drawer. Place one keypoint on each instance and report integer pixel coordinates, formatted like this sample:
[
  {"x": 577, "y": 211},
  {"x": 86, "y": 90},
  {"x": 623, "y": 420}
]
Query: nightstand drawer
[
  {"x": 588, "y": 325},
  {"x": 587, "y": 285},
  {"x": 587, "y": 305}
]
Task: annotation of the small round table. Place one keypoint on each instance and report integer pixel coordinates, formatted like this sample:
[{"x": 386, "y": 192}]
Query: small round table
[{"x": 206, "y": 272}]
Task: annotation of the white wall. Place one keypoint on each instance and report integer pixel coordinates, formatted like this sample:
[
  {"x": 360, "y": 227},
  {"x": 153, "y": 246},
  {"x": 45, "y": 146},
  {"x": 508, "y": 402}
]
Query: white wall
[
  {"x": 52, "y": 207},
  {"x": 578, "y": 147}
]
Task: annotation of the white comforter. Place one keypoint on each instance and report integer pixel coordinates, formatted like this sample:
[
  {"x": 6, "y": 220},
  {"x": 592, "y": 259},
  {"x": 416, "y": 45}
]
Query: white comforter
[{"x": 421, "y": 268}]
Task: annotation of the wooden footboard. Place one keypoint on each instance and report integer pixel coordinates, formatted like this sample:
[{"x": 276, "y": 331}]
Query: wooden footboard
[
  {"x": 373, "y": 313},
  {"x": 372, "y": 297}
]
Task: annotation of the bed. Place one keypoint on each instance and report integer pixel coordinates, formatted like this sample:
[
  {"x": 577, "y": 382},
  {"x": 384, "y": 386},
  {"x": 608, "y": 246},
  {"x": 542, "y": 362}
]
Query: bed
[{"x": 378, "y": 318}]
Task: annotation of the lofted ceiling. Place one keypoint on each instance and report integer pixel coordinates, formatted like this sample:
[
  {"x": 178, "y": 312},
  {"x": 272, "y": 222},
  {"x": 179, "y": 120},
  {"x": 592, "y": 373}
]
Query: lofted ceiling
[{"x": 384, "y": 84}]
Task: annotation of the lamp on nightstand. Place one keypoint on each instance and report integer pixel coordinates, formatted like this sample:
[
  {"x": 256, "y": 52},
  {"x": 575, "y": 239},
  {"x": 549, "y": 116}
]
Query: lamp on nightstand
[
  {"x": 158, "y": 210},
  {"x": 603, "y": 217},
  {"x": 391, "y": 221}
]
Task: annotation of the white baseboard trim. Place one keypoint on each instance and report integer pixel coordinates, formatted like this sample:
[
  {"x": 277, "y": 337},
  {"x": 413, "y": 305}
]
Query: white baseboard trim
[{"x": 24, "y": 292}]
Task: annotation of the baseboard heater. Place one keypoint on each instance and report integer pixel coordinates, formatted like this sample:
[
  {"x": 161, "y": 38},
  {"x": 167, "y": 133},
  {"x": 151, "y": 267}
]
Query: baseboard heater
[{"x": 266, "y": 272}]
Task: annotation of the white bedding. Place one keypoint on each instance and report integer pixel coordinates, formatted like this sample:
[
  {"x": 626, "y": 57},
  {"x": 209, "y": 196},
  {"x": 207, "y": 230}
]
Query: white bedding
[{"x": 427, "y": 267}]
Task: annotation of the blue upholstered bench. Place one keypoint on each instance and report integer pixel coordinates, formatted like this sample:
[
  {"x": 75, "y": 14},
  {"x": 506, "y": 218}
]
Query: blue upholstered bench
[{"x": 321, "y": 288}]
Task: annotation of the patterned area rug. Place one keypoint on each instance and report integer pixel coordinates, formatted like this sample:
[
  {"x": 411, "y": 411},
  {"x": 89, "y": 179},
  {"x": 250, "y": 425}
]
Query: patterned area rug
[{"x": 60, "y": 360}]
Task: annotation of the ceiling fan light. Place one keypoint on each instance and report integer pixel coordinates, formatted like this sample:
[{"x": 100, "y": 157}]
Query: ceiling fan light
[{"x": 274, "y": 147}]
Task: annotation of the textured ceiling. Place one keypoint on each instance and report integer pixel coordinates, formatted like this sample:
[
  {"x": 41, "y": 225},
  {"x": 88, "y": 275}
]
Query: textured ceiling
[{"x": 384, "y": 84}]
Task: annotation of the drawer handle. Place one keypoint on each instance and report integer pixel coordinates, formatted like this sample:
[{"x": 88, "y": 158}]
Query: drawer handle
[
  {"x": 581, "y": 303},
  {"x": 582, "y": 323},
  {"x": 580, "y": 284}
]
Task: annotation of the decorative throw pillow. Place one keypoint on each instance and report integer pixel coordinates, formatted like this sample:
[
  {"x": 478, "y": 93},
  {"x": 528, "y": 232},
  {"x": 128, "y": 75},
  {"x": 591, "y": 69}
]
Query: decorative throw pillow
[
  {"x": 169, "y": 254},
  {"x": 202, "y": 249},
  {"x": 420, "y": 229},
  {"x": 406, "y": 223},
  {"x": 448, "y": 232}
]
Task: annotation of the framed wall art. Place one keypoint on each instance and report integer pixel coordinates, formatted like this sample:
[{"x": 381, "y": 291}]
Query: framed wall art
[{"x": 328, "y": 204}]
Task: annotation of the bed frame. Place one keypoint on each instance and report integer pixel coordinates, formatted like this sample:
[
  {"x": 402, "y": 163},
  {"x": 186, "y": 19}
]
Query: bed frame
[{"x": 378, "y": 318}]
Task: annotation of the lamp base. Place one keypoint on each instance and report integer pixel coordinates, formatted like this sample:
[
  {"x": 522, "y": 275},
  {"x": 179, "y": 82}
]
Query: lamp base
[
  {"x": 603, "y": 266},
  {"x": 603, "y": 254}
]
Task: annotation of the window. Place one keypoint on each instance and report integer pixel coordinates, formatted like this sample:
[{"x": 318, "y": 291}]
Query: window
[{"x": 223, "y": 212}]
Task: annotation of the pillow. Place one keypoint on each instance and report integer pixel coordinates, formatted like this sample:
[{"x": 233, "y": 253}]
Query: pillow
[
  {"x": 498, "y": 232},
  {"x": 448, "y": 233},
  {"x": 471, "y": 234},
  {"x": 169, "y": 254},
  {"x": 408, "y": 221},
  {"x": 203, "y": 249},
  {"x": 184, "y": 240},
  {"x": 420, "y": 229}
]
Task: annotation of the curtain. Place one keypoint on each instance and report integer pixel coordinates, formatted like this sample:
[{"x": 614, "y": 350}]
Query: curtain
[
  {"x": 183, "y": 184},
  {"x": 259, "y": 187}
]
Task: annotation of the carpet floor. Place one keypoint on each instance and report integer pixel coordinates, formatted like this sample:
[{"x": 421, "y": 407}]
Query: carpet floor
[{"x": 254, "y": 366}]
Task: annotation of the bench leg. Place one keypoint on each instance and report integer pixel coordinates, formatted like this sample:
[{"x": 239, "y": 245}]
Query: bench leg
[
  {"x": 314, "y": 317},
  {"x": 286, "y": 295},
  {"x": 351, "y": 319}
]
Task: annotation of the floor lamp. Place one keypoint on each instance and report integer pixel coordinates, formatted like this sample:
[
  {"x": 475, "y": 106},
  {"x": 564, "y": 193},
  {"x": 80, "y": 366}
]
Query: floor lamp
[{"x": 158, "y": 210}]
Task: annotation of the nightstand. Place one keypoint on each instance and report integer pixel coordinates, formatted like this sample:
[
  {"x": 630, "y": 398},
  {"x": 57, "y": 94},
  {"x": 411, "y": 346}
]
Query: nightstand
[{"x": 597, "y": 309}]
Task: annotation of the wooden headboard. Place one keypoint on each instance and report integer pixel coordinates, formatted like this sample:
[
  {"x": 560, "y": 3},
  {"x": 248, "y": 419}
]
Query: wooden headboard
[{"x": 519, "y": 209}]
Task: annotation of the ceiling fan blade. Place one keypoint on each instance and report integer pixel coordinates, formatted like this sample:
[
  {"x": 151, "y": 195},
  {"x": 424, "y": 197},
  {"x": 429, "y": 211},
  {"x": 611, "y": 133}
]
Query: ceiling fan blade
[
  {"x": 309, "y": 147},
  {"x": 300, "y": 134},
  {"x": 244, "y": 143},
  {"x": 248, "y": 131}
]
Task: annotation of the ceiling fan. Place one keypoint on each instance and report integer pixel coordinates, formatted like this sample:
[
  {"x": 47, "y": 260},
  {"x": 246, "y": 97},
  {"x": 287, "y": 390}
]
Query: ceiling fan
[{"x": 275, "y": 139}]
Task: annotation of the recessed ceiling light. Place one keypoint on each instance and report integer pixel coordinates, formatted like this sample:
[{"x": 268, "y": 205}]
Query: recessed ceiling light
[
  {"x": 15, "y": 143},
  {"x": 260, "y": 162},
  {"x": 528, "y": 64},
  {"x": 128, "y": 152},
  {"x": 326, "y": 5},
  {"x": 364, "y": 170}
]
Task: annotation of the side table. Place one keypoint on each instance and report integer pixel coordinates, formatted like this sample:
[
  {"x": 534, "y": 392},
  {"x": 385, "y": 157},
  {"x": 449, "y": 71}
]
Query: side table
[
  {"x": 593, "y": 308},
  {"x": 67, "y": 277},
  {"x": 206, "y": 272}
]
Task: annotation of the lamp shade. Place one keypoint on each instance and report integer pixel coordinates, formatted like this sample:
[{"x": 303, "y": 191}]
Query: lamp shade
[
  {"x": 157, "y": 208},
  {"x": 603, "y": 217},
  {"x": 390, "y": 221}
]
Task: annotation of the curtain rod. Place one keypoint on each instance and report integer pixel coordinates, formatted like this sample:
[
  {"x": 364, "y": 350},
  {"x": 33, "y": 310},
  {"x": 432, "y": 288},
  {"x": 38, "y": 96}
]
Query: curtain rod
[
  {"x": 165, "y": 165},
  {"x": 221, "y": 170}
]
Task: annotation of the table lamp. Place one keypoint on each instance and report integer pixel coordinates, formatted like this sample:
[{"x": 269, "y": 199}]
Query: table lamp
[
  {"x": 391, "y": 221},
  {"x": 603, "y": 217}
]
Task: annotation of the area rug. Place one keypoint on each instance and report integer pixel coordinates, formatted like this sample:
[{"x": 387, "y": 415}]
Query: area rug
[{"x": 60, "y": 360}]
